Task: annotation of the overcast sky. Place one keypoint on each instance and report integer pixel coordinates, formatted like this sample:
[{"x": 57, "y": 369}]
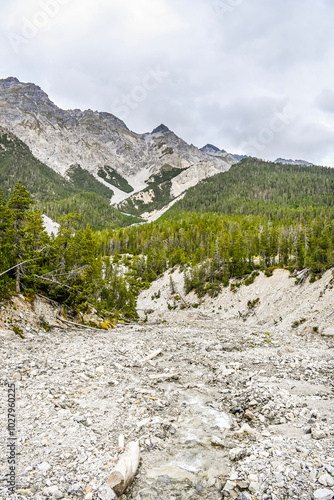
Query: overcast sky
[{"x": 249, "y": 76}]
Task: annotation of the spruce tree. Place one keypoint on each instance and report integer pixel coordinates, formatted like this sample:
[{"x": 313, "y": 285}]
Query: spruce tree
[{"x": 19, "y": 204}]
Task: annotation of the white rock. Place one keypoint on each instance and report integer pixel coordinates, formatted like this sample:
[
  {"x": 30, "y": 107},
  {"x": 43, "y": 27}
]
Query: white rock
[
  {"x": 227, "y": 372},
  {"x": 325, "y": 479},
  {"x": 254, "y": 487},
  {"x": 236, "y": 453},
  {"x": 106, "y": 493},
  {"x": 229, "y": 486},
  {"x": 99, "y": 370},
  {"x": 245, "y": 496},
  {"x": 253, "y": 478},
  {"x": 313, "y": 475},
  {"x": 330, "y": 469},
  {"x": 330, "y": 481},
  {"x": 318, "y": 433},
  {"x": 245, "y": 429},
  {"x": 323, "y": 494},
  {"x": 43, "y": 467},
  {"x": 57, "y": 495},
  {"x": 233, "y": 476},
  {"x": 328, "y": 332},
  {"x": 74, "y": 488},
  {"x": 50, "y": 490},
  {"x": 216, "y": 441}
]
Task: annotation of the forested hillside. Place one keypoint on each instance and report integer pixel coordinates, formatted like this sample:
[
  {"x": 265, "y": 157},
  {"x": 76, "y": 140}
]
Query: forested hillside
[
  {"x": 55, "y": 195},
  {"x": 215, "y": 248},
  {"x": 258, "y": 215},
  {"x": 67, "y": 269},
  {"x": 255, "y": 187},
  {"x": 264, "y": 216}
]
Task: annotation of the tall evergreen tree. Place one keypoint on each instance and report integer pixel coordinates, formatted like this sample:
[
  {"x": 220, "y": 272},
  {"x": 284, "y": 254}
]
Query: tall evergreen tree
[{"x": 19, "y": 204}]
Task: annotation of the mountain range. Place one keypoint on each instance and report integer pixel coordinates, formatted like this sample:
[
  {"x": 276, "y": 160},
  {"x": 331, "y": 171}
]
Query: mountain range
[
  {"x": 94, "y": 152},
  {"x": 136, "y": 167}
]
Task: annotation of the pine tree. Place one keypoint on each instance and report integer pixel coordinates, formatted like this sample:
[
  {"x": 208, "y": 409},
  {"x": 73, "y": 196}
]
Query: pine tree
[
  {"x": 6, "y": 246},
  {"x": 19, "y": 204}
]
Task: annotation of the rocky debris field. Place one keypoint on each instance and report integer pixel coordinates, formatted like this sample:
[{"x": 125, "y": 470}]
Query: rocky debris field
[
  {"x": 225, "y": 410},
  {"x": 266, "y": 301}
]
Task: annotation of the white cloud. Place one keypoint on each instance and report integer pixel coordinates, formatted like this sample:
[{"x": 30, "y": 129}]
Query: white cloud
[{"x": 231, "y": 66}]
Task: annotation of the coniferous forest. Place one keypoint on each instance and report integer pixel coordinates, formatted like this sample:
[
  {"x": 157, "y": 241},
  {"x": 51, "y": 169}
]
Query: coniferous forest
[{"x": 257, "y": 216}]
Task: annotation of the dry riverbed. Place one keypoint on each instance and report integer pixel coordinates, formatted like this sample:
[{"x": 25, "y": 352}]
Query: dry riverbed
[{"x": 226, "y": 410}]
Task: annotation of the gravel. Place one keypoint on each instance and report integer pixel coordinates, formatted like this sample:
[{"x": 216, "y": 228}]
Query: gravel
[{"x": 224, "y": 411}]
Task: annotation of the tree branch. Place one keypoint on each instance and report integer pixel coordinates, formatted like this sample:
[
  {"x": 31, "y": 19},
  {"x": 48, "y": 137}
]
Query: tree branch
[
  {"x": 20, "y": 264},
  {"x": 54, "y": 282}
]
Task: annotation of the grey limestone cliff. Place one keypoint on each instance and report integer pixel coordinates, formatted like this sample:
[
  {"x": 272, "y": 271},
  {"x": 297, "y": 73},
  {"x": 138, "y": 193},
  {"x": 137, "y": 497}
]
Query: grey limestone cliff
[{"x": 94, "y": 140}]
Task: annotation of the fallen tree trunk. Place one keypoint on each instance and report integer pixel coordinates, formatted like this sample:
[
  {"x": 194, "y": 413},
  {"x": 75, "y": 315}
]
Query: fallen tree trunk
[
  {"x": 19, "y": 264},
  {"x": 79, "y": 325},
  {"x": 125, "y": 469}
]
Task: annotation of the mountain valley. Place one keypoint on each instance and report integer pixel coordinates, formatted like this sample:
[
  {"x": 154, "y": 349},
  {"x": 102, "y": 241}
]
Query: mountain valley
[{"x": 180, "y": 302}]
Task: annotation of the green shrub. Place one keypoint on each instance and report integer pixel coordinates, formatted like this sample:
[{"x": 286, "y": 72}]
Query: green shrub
[{"x": 18, "y": 331}]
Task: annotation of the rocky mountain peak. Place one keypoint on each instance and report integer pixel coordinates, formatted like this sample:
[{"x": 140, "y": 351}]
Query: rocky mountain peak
[
  {"x": 293, "y": 162},
  {"x": 9, "y": 81},
  {"x": 101, "y": 143},
  {"x": 211, "y": 149},
  {"x": 161, "y": 129},
  {"x": 26, "y": 96}
]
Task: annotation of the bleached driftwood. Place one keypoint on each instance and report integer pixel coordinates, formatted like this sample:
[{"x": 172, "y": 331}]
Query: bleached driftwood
[
  {"x": 151, "y": 356},
  {"x": 125, "y": 469},
  {"x": 121, "y": 441}
]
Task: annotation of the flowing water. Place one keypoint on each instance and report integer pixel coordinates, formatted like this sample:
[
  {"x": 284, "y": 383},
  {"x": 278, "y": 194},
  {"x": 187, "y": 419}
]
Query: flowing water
[{"x": 191, "y": 460}]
